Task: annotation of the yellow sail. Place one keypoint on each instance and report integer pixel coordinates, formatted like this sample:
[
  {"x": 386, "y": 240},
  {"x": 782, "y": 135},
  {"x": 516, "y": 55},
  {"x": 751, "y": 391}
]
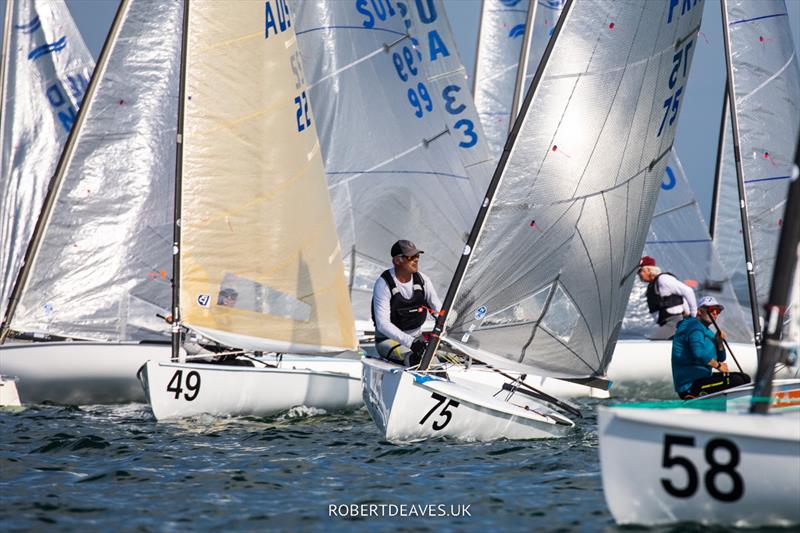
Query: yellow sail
[{"x": 260, "y": 264}]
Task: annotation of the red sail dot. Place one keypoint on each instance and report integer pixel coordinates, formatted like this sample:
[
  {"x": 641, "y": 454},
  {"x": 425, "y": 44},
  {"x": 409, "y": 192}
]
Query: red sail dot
[
  {"x": 766, "y": 155},
  {"x": 761, "y": 38},
  {"x": 611, "y": 26},
  {"x": 121, "y": 102},
  {"x": 555, "y": 147}
]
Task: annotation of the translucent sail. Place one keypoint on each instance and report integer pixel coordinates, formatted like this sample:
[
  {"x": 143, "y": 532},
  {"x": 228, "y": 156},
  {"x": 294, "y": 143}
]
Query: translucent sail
[
  {"x": 544, "y": 23},
  {"x": 680, "y": 243},
  {"x": 548, "y": 279},
  {"x": 103, "y": 267},
  {"x": 500, "y": 39},
  {"x": 446, "y": 76},
  {"x": 766, "y": 82},
  {"x": 392, "y": 159},
  {"x": 46, "y": 69},
  {"x": 261, "y": 267}
]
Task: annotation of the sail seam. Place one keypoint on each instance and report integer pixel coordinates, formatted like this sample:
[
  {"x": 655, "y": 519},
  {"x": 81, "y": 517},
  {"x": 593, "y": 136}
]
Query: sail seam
[
  {"x": 673, "y": 209},
  {"x": 346, "y": 67},
  {"x": 768, "y": 80}
]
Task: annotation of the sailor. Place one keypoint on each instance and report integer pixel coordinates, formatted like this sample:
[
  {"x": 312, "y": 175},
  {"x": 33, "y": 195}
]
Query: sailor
[
  {"x": 697, "y": 352},
  {"x": 668, "y": 299},
  {"x": 401, "y": 299}
]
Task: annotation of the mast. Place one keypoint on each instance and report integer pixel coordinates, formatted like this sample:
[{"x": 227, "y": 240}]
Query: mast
[
  {"x": 723, "y": 121},
  {"x": 478, "y": 48},
  {"x": 4, "y": 69},
  {"x": 522, "y": 66},
  {"x": 55, "y": 183},
  {"x": 176, "y": 227},
  {"x": 782, "y": 278},
  {"x": 458, "y": 276},
  {"x": 748, "y": 251}
]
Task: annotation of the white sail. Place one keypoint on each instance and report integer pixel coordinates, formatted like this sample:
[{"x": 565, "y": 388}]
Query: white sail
[
  {"x": 766, "y": 97},
  {"x": 500, "y": 39},
  {"x": 392, "y": 158},
  {"x": 45, "y": 71},
  {"x": 548, "y": 278},
  {"x": 260, "y": 265},
  {"x": 102, "y": 269},
  {"x": 680, "y": 243}
]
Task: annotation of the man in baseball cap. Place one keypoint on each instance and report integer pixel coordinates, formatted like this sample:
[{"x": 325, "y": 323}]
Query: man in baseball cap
[
  {"x": 697, "y": 352},
  {"x": 401, "y": 299},
  {"x": 668, "y": 299}
]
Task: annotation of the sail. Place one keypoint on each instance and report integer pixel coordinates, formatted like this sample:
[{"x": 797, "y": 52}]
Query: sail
[
  {"x": 45, "y": 71},
  {"x": 547, "y": 280},
  {"x": 103, "y": 267},
  {"x": 260, "y": 265},
  {"x": 544, "y": 23},
  {"x": 502, "y": 27},
  {"x": 766, "y": 89},
  {"x": 391, "y": 155},
  {"x": 680, "y": 243}
]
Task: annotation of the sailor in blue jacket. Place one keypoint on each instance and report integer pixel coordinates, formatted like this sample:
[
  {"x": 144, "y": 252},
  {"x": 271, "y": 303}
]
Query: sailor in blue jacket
[{"x": 697, "y": 352}]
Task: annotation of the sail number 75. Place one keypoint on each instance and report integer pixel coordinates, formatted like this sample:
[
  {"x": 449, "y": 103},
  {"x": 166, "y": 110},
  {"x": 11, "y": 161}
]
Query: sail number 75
[{"x": 445, "y": 412}]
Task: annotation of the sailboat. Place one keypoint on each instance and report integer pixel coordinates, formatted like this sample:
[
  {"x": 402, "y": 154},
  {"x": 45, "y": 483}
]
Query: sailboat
[
  {"x": 91, "y": 269},
  {"x": 544, "y": 278},
  {"x": 716, "y": 463},
  {"x": 257, "y": 261}
]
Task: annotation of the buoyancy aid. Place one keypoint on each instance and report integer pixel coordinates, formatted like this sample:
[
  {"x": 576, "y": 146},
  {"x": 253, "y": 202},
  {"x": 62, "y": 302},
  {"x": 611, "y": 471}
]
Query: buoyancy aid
[
  {"x": 405, "y": 313},
  {"x": 660, "y": 304}
]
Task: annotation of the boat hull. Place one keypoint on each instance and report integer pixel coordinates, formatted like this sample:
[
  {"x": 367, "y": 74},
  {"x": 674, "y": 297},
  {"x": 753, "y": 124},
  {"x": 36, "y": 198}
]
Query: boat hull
[
  {"x": 408, "y": 407},
  {"x": 663, "y": 466},
  {"x": 78, "y": 373},
  {"x": 178, "y": 390}
]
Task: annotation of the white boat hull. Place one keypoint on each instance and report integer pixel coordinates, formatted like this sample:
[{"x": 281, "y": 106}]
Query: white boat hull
[
  {"x": 408, "y": 407},
  {"x": 9, "y": 397},
  {"x": 663, "y": 466},
  {"x": 178, "y": 390},
  {"x": 78, "y": 373}
]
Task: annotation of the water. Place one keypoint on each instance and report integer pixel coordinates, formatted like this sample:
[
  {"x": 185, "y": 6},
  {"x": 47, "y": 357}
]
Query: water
[{"x": 115, "y": 468}]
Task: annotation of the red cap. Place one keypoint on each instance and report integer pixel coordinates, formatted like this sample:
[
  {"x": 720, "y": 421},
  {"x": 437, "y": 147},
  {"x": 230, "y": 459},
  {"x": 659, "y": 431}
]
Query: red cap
[{"x": 647, "y": 261}]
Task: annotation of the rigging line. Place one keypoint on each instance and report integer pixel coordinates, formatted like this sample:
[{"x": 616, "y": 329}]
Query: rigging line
[
  {"x": 379, "y": 165},
  {"x": 424, "y": 172},
  {"x": 768, "y": 80},
  {"x": 745, "y": 21},
  {"x": 475, "y": 164},
  {"x": 346, "y": 67},
  {"x": 348, "y": 28},
  {"x": 551, "y": 293},
  {"x": 596, "y": 283},
  {"x": 459, "y": 70},
  {"x": 499, "y": 73},
  {"x": 601, "y": 191},
  {"x": 673, "y": 209},
  {"x": 573, "y": 352},
  {"x": 611, "y": 268},
  {"x": 610, "y": 109}
]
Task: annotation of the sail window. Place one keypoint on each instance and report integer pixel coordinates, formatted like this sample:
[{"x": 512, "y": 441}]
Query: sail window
[
  {"x": 241, "y": 293},
  {"x": 561, "y": 317},
  {"x": 367, "y": 271},
  {"x": 522, "y": 312}
]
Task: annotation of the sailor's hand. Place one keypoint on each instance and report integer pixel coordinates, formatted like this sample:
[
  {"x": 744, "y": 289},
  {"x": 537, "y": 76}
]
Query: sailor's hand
[
  {"x": 418, "y": 346},
  {"x": 723, "y": 367},
  {"x": 168, "y": 319}
]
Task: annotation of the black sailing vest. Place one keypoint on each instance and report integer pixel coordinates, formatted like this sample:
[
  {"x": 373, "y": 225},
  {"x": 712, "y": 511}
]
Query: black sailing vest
[
  {"x": 405, "y": 313},
  {"x": 656, "y": 302}
]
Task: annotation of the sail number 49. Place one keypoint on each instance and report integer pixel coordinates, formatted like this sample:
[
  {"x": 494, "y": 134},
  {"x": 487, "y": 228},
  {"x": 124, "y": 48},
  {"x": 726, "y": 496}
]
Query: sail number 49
[
  {"x": 445, "y": 412},
  {"x": 192, "y": 385},
  {"x": 717, "y": 470}
]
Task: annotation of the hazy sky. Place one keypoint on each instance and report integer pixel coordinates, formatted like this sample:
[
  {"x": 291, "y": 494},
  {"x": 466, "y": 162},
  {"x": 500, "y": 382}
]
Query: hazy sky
[{"x": 699, "y": 122}]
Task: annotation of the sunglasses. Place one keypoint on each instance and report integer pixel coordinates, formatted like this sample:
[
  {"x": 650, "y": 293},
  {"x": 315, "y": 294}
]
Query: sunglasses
[
  {"x": 412, "y": 258},
  {"x": 716, "y": 310}
]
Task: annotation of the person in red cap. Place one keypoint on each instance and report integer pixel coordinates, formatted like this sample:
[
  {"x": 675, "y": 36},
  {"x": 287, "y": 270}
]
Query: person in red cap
[
  {"x": 668, "y": 299},
  {"x": 401, "y": 299}
]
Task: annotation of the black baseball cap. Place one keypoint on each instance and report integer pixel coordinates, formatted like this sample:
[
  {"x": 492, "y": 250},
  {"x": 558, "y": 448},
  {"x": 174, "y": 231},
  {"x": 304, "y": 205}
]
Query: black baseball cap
[{"x": 406, "y": 248}]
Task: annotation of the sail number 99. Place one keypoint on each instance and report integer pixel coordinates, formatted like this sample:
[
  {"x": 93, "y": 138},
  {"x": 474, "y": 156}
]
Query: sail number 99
[
  {"x": 192, "y": 385},
  {"x": 735, "y": 484}
]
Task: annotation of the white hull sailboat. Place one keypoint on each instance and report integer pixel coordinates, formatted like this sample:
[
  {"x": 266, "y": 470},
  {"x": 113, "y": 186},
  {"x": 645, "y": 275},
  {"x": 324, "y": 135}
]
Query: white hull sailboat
[
  {"x": 184, "y": 390},
  {"x": 679, "y": 465},
  {"x": 410, "y": 406},
  {"x": 543, "y": 281}
]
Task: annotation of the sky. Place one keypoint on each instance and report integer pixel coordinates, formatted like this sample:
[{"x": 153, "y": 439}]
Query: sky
[{"x": 698, "y": 130}]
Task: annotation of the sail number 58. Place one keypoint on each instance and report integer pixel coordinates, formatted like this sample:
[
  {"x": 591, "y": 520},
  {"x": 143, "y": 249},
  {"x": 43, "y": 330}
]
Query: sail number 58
[
  {"x": 445, "y": 412},
  {"x": 734, "y": 485},
  {"x": 192, "y": 385}
]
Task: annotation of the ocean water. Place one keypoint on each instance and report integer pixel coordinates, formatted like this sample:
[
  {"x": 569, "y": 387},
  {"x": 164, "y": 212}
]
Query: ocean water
[{"x": 115, "y": 468}]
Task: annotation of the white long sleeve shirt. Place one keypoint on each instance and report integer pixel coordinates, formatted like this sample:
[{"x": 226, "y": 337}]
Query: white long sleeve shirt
[
  {"x": 669, "y": 285},
  {"x": 382, "y": 296}
]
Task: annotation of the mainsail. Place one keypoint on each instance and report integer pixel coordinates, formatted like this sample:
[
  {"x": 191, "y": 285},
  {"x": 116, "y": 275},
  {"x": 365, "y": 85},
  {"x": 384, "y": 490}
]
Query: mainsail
[
  {"x": 101, "y": 269},
  {"x": 765, "y": 85},
  {"x": 500, "y": 41},
  {"x": 549, "y": 265},
  {"x": 679, "y": 241},
  {"x": 260, "y": 266},
  {"x": 391, "y": 149},
  {"x": 45, "y": 71}
]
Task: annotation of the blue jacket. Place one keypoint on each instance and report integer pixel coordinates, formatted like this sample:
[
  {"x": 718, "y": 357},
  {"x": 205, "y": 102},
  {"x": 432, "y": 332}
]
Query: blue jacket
[{"x": 693, "y": 347}]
